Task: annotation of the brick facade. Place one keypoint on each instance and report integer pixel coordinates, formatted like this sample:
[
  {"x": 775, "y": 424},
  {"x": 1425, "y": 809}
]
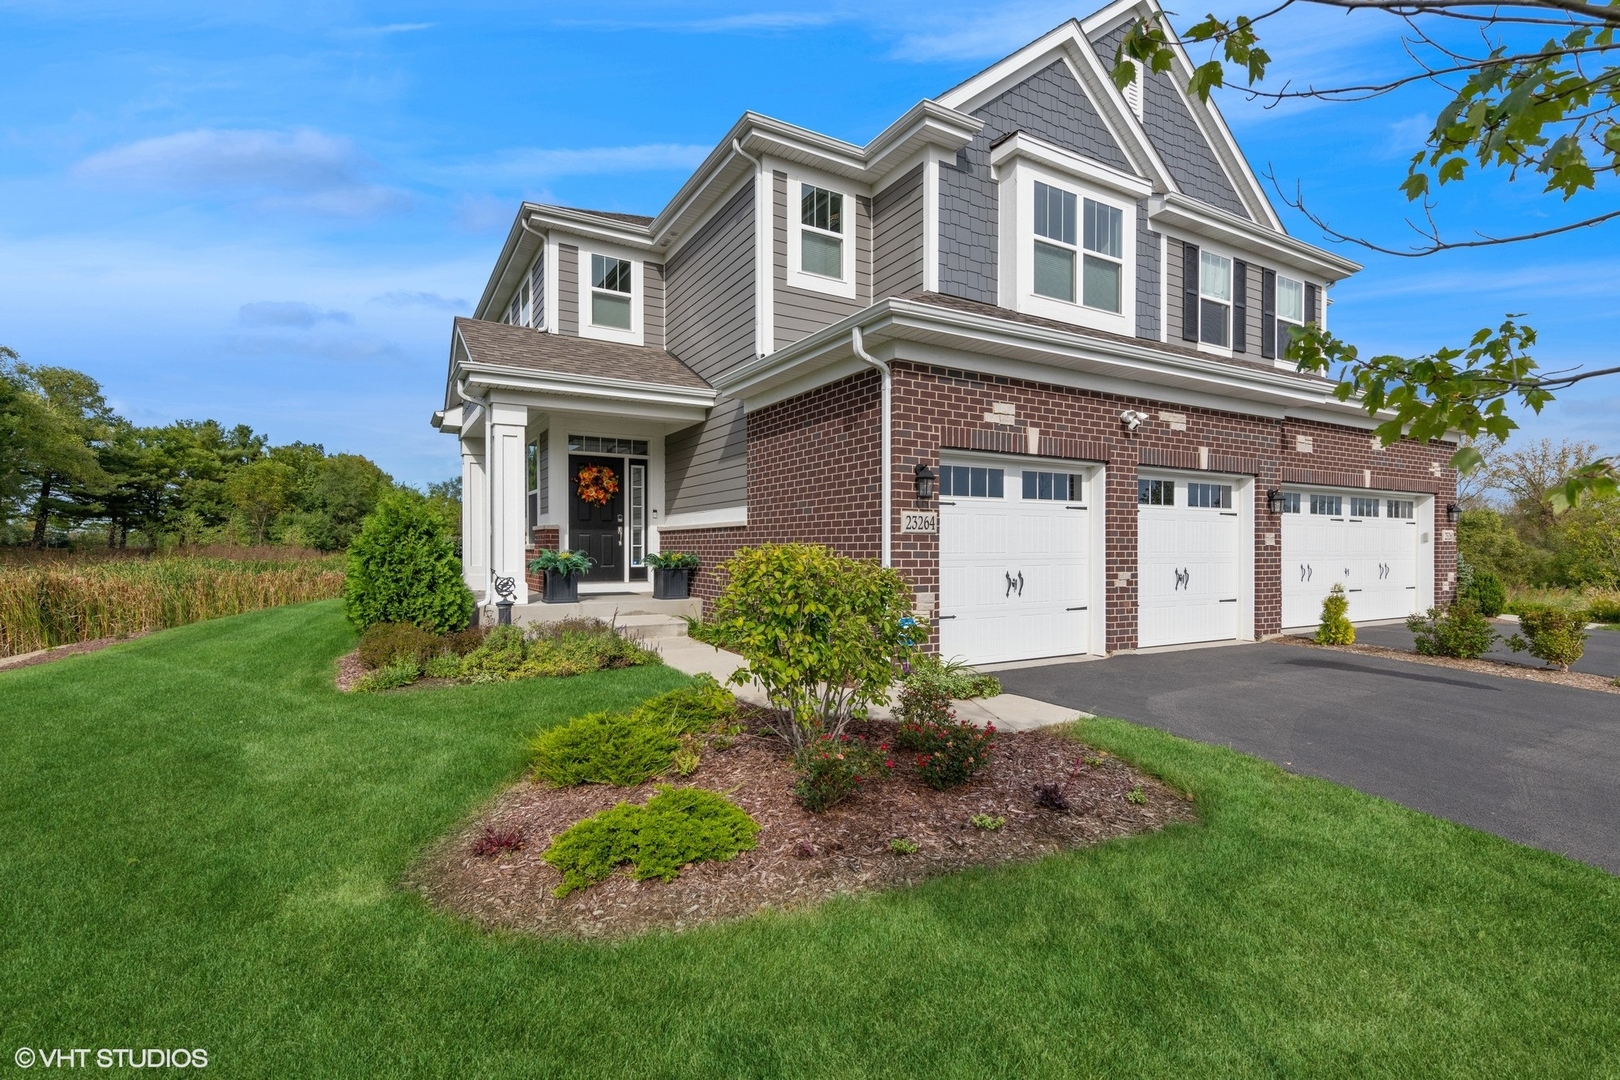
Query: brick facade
[
  {"x": 813, "y": 465},
  {"x": 542, "y": 538}
]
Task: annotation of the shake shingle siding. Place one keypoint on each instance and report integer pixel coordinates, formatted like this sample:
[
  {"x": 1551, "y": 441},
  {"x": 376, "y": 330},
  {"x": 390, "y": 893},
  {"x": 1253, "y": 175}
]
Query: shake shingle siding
[
  {"x": 1149, "y": 319},
  {"x": 897, "y": 237},
  {"x": 801, "y": 312},
  {"x": 709, "y": 295},
  {"x": 1049, "y": 105}
]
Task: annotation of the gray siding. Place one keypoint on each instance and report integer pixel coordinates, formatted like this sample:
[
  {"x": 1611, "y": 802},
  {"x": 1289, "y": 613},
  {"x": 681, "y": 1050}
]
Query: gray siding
[
  {"x": 706, "y": 465},
  {"x": 567, "y": 289},
  {"x": 897, "y": 237},
  {"x": 709, "y": 291},
  {"x": 709, "y": 297},
  {"x": 1049, "y": 105},
  {"x": 543, "y": 471},
  {"x": 1172, "y": 275},
  {"x": 801, "y": 312},
  {"x": 537, "y": 291},
  {"x": 1148, "y": 317},
  {"x": 1174, "y": 134},
  {"x": 652, "y": 305},
  {"x": 1251, "y": 323}
]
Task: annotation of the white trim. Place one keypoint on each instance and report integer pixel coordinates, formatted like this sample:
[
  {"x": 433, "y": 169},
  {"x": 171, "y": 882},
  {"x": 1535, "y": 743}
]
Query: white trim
[
  {"x": 724, "y": 518},
  {"x": 588, "y": 329},
  {"x": 1204, "y": 221},
  {"x": 931, "y": 223},
  {"x": 849, "y": 240},
  {"x": 1056, "y": 158}
]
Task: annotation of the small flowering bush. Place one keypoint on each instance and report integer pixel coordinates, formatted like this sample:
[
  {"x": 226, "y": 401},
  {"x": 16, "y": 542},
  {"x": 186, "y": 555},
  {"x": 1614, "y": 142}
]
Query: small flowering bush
[
  {"x": 953, "y": 751},
  {"x": 830, "y": 770}
]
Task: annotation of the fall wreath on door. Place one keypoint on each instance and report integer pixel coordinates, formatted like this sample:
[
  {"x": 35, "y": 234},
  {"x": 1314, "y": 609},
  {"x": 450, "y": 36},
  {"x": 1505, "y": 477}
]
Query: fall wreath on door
[{"x": 597, "y": 484}]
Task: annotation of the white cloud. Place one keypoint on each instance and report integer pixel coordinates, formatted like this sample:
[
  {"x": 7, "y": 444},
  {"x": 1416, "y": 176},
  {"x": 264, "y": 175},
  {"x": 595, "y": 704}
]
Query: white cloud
[
  {"x": 390, "y": 29},
  {"x": 400, "y": 298},
  {"x": 288, "y": 313},
  {"x": 536, "y": 164},
  {"x": 301, "y": 170}
]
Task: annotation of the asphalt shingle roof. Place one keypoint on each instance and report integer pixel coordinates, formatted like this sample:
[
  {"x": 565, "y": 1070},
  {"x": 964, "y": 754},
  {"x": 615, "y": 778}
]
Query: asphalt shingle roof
[{"x": 521, "y": 347}]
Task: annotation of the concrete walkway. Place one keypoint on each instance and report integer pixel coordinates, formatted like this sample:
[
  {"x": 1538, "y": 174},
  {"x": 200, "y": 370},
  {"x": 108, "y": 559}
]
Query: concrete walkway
[{"x": 1009, "y": 712}]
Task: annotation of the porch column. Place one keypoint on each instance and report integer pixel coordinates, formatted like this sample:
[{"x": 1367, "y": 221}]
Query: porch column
[
  {"x": 508, "y": 509},
  {"x": 474, "y": 515}
]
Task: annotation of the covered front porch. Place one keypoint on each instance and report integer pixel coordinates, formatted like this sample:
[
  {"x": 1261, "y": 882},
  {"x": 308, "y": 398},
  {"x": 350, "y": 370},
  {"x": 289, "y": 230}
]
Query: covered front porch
[{"x": 562, "y": 448}]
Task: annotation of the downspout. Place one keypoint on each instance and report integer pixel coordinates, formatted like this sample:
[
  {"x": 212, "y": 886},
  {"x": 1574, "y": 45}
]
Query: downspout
[
  {"x": 887, "y": 450},
  {"x": 764, "y": 301}
]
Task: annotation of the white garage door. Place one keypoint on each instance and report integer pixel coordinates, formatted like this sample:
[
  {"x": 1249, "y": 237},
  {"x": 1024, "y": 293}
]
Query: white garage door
[
  {"x": 1014, "y": 580},
  {"x": 1187, "y": 555},
  {"x": 1367, "y": 542}
]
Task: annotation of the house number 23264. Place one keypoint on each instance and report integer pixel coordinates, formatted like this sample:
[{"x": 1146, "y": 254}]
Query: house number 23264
[{"x": 915, "y": 521}]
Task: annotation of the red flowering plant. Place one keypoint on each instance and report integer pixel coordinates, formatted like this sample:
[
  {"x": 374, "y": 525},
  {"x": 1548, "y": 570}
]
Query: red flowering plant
[
  {"x": 832, "y": 768},
  {"x": 948, "y": 751}
]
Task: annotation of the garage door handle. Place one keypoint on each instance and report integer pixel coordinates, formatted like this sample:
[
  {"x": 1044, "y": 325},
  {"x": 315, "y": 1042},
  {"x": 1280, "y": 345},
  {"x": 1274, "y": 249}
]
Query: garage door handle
[
  {"x": 1075, "y": 609},
  {"x": 1183, "y": 578},
  {"x": 1231, "y": 601},
  {"x": 1020, "y": 583},
  {"x": 942, "y": 618},
  {"x": 1010, "y": 584}
]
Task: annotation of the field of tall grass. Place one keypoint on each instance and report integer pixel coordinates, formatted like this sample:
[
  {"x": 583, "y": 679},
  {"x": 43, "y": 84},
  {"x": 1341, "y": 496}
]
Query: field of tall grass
[
  {"x": 1600, "y": 605},
  {"x": 50, "y": 598}
]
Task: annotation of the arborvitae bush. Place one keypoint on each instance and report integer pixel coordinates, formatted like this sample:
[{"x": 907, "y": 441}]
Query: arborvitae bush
[
  {"x": 1336, "y": 628},
  {"x": 1487, "y": 591},
  {"x": 403, "y": 568}
]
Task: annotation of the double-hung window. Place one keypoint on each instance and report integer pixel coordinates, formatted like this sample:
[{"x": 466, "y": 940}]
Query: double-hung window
[
  {"x": 821, "y": 234},
  {"x": 610, "y": 292},
  {"x": 1095, "y": 242},
  {"x": 1290, "y": 309},
  {"x": 1214, "y": 299},
  {"x": 518, "y": 313}
]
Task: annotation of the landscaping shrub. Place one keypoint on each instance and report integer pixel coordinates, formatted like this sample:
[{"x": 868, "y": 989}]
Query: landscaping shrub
[
  {"x": 830, "y": 769},
  {"x": 402, "y": 567},
  {"x": 1551, "y": 634},
  {"x": 384, "y": 643},
  {"x": 953, "y": 751},
  {"x": 957, "y": 679},
  {"x": 1458, "y": 631},
  {"x": 701, "y": 708},
  {"x": 1604, "y": 610},
  {"x": 492, "y": 842},
  {"x": 1487, "y": 592},
  {"x": 675, "y": 827},
  {"x": 1335, "y": 628},
  {"x": 1050, "y": 797},
  {"x": 603, "y": 748},
  {"x": 575, "y": 646},
  {"x": 462, "y": 642},
  {"x": 391, "y": 676},
  {"x": 822, "y": 633},
  {"x": 499, "y": 656}
]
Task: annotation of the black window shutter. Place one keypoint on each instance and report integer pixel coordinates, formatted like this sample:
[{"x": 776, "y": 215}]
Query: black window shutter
[
  {"x": 1189, "y": 291},
  {"x": 1311, "y": 293},
  {"x": 1240, "y": 306},
  {"x": 1268, "y": 314}
]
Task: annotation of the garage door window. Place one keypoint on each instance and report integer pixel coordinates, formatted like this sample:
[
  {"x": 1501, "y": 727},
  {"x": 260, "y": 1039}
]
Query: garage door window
[
  {"x": 1156, "y": 492},
  {"x": 964, "y": 481},
  {"x": 1400, "y": 508},
  {"x": 1058, "y": 487},
  {"x": 1216, "y": 496},
  {"x": 1363, "y": 508},
  {"x": 1327, "y": 504},
  {"x": 1290, "y": 502}
]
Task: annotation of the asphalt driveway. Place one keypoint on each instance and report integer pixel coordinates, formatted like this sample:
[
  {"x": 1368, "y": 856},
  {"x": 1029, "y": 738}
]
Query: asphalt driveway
[{"x": 1534, "y": 763}]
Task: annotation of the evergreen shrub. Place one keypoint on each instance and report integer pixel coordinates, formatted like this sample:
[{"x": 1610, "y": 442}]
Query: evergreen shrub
[
  {"x": 1551, "y": 634},
  {"x": 402, "y": 568},
  {"x": 1336, "y": 628},
  {"x": 675, "y": 827}
]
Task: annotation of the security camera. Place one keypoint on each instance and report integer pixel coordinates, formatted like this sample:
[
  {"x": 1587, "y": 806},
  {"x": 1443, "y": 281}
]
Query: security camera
[{"x": 1132, "y": 419}]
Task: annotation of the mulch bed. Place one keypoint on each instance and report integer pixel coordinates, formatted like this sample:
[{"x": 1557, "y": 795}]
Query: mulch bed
[
  {"x": 1581, "y": 680},
  {"x": 60, "y": 652},
  {"x": 801, "y": 857}
]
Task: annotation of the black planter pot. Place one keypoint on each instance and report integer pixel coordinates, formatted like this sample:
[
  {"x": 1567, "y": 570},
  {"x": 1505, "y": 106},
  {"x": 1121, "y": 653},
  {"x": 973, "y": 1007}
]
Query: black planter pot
[
  {"x": 671, "y": 584},
  {"x": 561, "y": 588}
]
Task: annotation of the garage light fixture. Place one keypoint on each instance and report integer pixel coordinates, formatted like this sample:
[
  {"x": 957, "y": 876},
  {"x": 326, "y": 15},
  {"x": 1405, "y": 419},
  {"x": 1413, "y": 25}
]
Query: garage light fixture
[
  {"x": 925, "y": 482},
  {"x": 1452, "y": 513},
  {"x": 1132, "y": 419},
  {"x": 1276, "y": 502}
]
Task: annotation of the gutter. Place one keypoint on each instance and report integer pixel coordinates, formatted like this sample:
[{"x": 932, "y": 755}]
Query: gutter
[{"x": 886, "y": 438}]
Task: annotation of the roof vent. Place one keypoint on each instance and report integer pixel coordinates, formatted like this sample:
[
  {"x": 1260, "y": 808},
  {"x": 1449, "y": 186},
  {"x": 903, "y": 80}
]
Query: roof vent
[{"x": 1133, "y": 92}]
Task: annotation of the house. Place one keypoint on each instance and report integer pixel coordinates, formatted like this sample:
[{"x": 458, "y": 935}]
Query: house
[{"x": 1063, "y": 301}]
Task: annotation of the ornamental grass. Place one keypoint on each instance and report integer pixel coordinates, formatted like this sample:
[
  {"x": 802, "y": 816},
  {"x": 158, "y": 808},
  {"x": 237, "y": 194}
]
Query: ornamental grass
[{"x": 58, "y": 602}]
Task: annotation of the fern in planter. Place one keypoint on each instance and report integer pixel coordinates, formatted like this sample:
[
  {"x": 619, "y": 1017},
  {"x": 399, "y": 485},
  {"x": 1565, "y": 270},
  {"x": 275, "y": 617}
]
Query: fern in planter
[
  {"x": 564, "y": 563},
  {"x": 672, "y": 560}
]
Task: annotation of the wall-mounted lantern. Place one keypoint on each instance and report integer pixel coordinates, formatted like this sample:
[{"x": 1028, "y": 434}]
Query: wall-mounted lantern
[
  {"x": 1452, "y": 513},
  {"x": 925, "y": 482},
  {"x": 1275, "y": 501}
]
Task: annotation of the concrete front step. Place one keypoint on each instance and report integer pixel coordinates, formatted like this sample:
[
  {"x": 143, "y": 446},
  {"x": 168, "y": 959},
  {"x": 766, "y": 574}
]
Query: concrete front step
[{"x": 607, "y": 607}]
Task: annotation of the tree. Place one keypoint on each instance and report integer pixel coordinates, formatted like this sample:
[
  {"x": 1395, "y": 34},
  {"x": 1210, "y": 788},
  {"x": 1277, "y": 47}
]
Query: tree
[
  {"x": 261, "y": 490},
  {"x": 1518, "y": 100},
  {"x": 60, "y": 418}
]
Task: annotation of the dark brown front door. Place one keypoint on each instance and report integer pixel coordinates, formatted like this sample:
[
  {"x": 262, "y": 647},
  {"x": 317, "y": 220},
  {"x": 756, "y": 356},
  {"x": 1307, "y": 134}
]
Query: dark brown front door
[{"x": 597, "y": 528}]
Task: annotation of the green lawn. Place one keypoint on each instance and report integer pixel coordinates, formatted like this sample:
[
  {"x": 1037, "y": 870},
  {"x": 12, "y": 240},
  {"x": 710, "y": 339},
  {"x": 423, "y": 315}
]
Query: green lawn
[{"x": 200, "y": 842}]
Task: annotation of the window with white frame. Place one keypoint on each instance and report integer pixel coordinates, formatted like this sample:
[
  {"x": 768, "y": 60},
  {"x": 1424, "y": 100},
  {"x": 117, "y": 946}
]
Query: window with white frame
[
  {"x": 821, "y": 235},
  {"x": 1096, "y": 242},
  {"x": 1363, "y": 508},
  {"x": 1399, "y": 508},
  {"x": 517, "y": 313},
  {"x": 1290, "y": 308},
  {"x": 610, "y": 292},
  {"x": 1214, "y": 299}
]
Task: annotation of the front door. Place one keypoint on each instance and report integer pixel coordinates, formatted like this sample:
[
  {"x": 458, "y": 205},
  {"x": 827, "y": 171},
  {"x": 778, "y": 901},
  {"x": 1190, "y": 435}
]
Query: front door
[{"x": 596, "y": 514}]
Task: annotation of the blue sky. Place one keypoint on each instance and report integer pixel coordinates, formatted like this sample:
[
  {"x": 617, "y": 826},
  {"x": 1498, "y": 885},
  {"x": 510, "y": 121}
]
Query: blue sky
[{"x": 267, "y": 214}]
